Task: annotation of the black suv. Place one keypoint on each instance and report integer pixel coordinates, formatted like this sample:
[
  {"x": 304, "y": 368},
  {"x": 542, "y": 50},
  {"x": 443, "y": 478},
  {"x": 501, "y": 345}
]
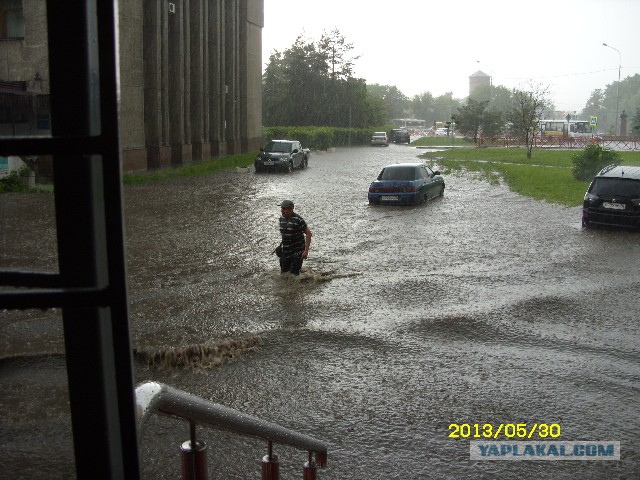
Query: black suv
[
  {"x": 399, "y": 135},
  {"x": 613, "y": 198}
]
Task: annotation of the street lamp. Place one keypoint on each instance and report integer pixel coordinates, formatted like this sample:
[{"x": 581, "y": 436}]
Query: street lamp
[{"x": 618, "y": 87}]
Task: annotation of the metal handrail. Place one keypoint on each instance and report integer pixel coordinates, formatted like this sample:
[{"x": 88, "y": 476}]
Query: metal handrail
[{"x": 157, "y": 398}]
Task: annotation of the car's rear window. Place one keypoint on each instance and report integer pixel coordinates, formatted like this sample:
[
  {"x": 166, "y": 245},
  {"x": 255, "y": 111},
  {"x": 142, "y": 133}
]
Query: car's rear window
[
  {"x": 399, "y": 173},
  {"x": 605, "y": 187}
]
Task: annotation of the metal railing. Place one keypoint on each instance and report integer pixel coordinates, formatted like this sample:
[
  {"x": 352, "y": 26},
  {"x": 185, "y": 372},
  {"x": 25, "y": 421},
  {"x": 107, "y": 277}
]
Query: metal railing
[
  {"x": 157, "y": 398},
  {"x": 631, "y": 142}
]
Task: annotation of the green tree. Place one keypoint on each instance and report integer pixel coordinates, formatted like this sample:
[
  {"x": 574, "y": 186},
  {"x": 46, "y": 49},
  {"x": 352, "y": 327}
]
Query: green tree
[
  {"x": 602, "y": 102},
  {"x": 492, "y": 123},
  {"x": 444, "y": 106},
  {"x": 313, "y": 84},
  {"x": 274, "y": 91},
  {"x": 630, "y": 98},
  {"x": 596, "y": 107},
  {"x": 336, "y": 53},
  {"x": 527, "y": 108},
  {"x": 423, "y": 107},
  {"x": 476, "y": 118},
  {"x": 469, "y": 118},
  {"x": 353, "y": 109},
  {"x": 635, "y": 123},
  {"x": 396, "y": 104}
]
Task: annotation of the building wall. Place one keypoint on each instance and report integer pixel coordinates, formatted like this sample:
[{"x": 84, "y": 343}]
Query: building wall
[
  {"x": 132, "y": 134},
  {"x": 191, "y": 80},
  {"x": 190, "y": 77},
  {"x": 253, "y": 88},
  {"x": 25, "y": 60}
]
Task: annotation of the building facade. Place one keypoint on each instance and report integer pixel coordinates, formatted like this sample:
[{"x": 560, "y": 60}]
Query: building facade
[{"x": 190, "y": 77}]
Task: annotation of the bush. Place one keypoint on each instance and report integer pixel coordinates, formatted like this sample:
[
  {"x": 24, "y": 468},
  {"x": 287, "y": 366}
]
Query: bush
[
  {"x": 319, "y": 138},
  {"x": 591, "y": 160},
  {"x": 15, "y": 181}
]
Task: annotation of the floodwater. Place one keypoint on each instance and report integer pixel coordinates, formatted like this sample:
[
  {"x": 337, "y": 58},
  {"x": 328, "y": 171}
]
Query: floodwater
[{"x": 479, "y": 307}]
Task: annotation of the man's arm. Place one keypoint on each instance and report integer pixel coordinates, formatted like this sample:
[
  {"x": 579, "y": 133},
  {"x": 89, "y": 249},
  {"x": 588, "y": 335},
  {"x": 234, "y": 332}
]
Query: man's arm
[{"x": 307, "y": 243}]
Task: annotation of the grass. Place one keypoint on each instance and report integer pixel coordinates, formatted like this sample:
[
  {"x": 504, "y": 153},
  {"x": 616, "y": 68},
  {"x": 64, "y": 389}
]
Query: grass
[
  {"x": 441, "y": 141},
  {"x": 547, "y": 175},
  {"x": 205, "y": 167}
]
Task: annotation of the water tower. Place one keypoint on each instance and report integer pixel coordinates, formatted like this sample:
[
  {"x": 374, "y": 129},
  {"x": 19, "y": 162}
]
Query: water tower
[{"x": 477, "y": 79}]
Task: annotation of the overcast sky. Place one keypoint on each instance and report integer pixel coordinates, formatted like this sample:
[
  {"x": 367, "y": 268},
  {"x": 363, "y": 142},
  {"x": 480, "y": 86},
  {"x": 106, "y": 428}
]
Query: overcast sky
[{"x": 434, "y": 46}]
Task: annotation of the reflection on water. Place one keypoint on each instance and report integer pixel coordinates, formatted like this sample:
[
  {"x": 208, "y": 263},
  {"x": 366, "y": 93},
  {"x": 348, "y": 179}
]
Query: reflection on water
[{"x": 482, "y": 306}]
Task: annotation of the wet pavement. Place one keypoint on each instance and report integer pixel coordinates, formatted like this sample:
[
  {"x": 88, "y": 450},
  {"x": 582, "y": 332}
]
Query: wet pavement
[{"x": 479, "y": 307}]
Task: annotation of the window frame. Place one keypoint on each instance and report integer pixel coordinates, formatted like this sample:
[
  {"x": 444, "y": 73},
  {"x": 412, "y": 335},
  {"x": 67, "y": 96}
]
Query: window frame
[{"x": 9, "y": 8}]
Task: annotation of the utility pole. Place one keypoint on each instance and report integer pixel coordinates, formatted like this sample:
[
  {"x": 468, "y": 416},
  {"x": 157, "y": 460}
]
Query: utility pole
[{"x": 618, "y": 86}]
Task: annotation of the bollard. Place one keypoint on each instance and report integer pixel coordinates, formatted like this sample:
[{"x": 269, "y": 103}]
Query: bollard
[
  {"x": 321, "y": 459},
  {"x": 309, "y": 471},
  {"x": 194, "y": 463},
  {"x": 270, "y": 467}
]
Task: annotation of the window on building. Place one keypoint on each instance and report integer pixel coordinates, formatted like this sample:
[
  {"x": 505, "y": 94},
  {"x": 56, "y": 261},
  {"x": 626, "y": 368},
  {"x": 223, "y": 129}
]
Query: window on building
[{"x": 11, "y": 19}]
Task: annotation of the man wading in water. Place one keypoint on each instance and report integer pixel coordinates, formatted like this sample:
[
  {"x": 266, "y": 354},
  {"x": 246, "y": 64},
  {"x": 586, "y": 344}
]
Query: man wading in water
[{"x": 296, "y": 238}]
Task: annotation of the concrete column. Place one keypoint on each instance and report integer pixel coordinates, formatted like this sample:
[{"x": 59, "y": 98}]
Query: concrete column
[
  {"x": 252, "y": 118},
  {"x": 165, "y": 68},
  {"x": 197, "y": 77},
  {"x": 206, "y": 27},
  {"x": 152, "y": 55},
  {"x": 216, "y": 62},
  {"x": 231, "y": 75},
  {"x": 243, "y": 57},
  {"x": 186, "y": 84},
  {"x": 176, "y": 52}
]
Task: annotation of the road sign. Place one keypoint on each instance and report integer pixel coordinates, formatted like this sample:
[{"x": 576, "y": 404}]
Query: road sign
[{"x": 594, "y": 121}]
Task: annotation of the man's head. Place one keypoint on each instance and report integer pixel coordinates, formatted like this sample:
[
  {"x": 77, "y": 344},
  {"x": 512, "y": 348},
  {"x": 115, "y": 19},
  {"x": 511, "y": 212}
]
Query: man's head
[{"x": 287, "y": 208}]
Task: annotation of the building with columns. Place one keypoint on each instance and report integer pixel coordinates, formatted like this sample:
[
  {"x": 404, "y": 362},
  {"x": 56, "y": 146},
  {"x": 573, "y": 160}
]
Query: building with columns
[{"x": 190, "y": 77}]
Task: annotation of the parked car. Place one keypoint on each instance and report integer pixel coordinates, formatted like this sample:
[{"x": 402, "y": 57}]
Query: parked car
[
  {"x": 282, "y": 155},
  {"x": 400, "y": 135},
  {"x": 405, "y": 184},
  {"x": 613, "y": 198},
  {"x": 379, "y": 138}
]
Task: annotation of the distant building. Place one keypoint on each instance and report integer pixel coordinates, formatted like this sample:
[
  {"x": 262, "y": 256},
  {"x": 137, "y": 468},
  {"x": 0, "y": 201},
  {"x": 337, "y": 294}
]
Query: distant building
[
  {"x": 190, "y": 77},
  {"x": 477, "y": 79}
]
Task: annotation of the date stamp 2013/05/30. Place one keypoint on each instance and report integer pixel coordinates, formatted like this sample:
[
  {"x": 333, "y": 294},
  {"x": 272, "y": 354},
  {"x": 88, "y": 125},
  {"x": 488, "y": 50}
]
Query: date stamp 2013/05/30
[{"x": 505, "y": 430}]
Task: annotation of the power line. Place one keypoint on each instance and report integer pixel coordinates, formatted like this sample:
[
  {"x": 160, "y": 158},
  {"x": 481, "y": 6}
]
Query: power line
[{"x": 564, "y": 75}]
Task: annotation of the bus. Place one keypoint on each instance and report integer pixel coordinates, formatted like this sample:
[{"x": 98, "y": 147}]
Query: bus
[
  {"x": 564, "y": 128},
  {"x": 408, "y": 122}
]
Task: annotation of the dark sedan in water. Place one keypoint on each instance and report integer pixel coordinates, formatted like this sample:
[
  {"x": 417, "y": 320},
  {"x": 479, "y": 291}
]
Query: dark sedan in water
[{"x": 405, "y": 184}]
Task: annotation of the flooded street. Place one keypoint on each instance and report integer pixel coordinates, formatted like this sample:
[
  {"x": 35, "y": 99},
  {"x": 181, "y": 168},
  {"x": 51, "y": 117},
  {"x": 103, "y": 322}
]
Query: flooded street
[{"x": 479, "y": 307}]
